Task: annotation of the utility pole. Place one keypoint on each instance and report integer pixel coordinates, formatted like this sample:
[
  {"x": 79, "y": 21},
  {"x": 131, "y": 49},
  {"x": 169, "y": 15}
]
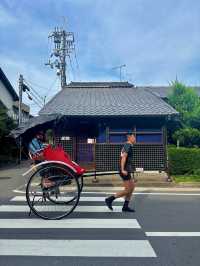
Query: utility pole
[
  {"x": 62, "y": 59},
  {"x": 20, "y": 100},
  {"x": 20, "y": 114},
  {"x": 22, "y": 88},
  {"x": 120, "y": 70},
  {"x": 63, "y": 46}
]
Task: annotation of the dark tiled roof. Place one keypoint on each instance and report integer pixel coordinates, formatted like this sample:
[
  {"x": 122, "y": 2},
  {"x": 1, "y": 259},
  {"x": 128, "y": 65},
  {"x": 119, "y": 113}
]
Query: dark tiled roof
[
  {"x": 106, "y": 101},
  {"x": 33, "y": 125},
  {"x": 7, "y": 84},
  {"x": 163, "y": 91},
  {"x": 100, "y": 84}
]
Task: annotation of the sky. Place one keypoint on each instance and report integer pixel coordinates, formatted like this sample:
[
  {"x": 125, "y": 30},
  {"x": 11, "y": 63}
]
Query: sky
[{"x": 156, "y": 40}]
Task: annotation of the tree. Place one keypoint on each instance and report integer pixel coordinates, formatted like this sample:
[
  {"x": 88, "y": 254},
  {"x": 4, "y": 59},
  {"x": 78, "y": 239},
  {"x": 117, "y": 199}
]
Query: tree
[
  {"x": 187, "y": 137},
  {"x": 6, "y": 123},
  {"x": 185, "y": 100},
  {"x": 194, "y": 119},
  {"x": 8, "y": 147}
]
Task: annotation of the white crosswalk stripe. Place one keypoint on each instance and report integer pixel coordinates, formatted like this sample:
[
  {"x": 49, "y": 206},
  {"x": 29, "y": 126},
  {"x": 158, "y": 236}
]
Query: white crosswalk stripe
[
  {"x": 174, "y": 234},
  {"x": 70, "y": 223},
  {"x": 86, "y": 199},
  {"x": 109, "y": 247},
  {"x": 25, "y": 208},
  {"x": 83, "y": 248}
]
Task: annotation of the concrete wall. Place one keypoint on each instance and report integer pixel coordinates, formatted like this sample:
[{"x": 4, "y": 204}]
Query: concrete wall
[{"x": 6, "y": 97}]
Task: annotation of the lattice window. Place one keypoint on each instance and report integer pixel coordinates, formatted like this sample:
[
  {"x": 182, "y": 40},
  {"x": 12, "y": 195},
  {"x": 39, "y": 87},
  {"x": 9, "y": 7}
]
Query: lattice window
[
  {"x": 67, "y": 145},
  {"x": 148, "y": 157},
  {"x": 106, "y": 156}
]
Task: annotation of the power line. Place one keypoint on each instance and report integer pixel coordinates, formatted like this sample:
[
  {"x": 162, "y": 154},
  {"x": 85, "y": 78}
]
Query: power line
[
  {"x": 76, "y": 59},
  {"x": 51, "y": 86},
  {"x": 75, "y": 55},
  {"x": 30, "y": 94},
  {"x": 49, "y": 47},
  {"x": 29, "y": 84},
  {"x": 36, "y": 98},
  {"x": 43, "y": 98},
  {"x": 25, "y": 88},
  {"x": 32, "y": 99},
  {"x": 35, "y": 84},
  {"x": 34, "y": 93},
  {"x": 72, "y": 68}
]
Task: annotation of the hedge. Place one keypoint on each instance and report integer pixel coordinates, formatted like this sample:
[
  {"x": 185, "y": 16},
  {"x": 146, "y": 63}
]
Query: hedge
[{"x": 183, "y": 160}]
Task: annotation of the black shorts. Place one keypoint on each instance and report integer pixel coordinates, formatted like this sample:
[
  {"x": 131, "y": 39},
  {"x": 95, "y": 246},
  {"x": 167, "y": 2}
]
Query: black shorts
[{"x": 125, "y": 177}]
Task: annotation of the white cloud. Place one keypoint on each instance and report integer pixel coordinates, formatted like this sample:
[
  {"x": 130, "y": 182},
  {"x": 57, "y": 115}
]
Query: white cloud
[
  {"x": 155, "y": 42},
  {"x": 42, "y": 80}
]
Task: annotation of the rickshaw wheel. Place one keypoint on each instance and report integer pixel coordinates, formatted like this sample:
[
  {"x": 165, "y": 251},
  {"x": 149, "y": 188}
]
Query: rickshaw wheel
[
  {"x": 80, "y": 179},
  {"x": 56, "y": 200}
]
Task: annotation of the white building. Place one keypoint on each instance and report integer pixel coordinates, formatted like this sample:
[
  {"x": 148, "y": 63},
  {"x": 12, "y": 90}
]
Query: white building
[{"x": 10, "y": 100}]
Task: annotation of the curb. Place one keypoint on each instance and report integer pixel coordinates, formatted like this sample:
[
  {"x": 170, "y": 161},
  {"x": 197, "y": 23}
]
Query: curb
[{"x": 143, "y": 189}]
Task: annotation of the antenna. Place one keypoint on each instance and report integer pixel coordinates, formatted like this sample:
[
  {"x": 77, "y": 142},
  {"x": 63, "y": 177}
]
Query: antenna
[{"x": 120, "y": 70}]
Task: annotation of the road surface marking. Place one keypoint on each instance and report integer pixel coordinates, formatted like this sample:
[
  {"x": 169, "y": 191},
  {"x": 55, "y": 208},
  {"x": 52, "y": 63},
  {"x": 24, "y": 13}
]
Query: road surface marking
[
  {"x": 70, "y": 223},
  {"x": 87, "y": 199},
  {"x": 173, "y": 234},
  {"x": 80, "y": 248},
  {"x": 25, "y": 208}
]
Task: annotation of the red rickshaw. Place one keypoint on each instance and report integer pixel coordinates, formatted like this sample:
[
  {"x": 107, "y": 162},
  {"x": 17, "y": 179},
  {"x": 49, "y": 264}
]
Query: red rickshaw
[{"x": 61, "y": 197}]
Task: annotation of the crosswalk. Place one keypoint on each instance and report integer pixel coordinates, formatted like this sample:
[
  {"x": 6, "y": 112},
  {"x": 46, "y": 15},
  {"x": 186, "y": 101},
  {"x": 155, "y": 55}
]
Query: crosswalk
[{"x": 91, "y": 231}]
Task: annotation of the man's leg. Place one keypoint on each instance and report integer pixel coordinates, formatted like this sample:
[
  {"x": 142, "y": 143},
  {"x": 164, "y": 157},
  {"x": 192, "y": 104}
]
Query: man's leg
[
  {"x": 131, "y": 187},
  {"x": 127, "y": 193},
  {"x": 128, "y": 190}
]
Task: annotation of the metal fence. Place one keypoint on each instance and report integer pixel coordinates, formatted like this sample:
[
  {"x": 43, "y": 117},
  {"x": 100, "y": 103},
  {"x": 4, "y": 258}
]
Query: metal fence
[
  {"x": 68, "y": 145},
  {"x": 106, "y": 156},
  {"x": 146, "y": 156}
]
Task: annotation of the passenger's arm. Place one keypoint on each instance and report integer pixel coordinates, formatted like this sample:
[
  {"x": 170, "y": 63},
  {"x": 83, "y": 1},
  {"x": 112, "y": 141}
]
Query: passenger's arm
[{"x": 32, "y": 149}]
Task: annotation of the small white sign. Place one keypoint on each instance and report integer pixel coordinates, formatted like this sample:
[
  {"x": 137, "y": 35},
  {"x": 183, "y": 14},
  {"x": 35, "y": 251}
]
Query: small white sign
[
  {"x": 65, "y": 138},
  {"x": 90, "y": 141},
  {"x": 139, "y": 170}
]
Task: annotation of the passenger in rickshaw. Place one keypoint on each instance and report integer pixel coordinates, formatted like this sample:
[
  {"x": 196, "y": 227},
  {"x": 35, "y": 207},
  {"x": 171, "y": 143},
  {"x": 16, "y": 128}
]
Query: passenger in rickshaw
[{"x": 36, "y": 147}]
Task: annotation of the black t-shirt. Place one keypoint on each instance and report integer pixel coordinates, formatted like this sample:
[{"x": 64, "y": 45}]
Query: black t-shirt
[{"x": 127, "y": 148}]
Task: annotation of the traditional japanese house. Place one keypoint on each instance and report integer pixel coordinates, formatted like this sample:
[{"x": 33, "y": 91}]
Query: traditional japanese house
[{"x": 97, "y": 117}]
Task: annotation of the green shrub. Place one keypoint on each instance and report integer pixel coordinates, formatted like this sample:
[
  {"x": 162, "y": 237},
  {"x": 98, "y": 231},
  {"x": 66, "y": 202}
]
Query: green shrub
[
  {"x": 188, "y": 137},
  {"x": 183, "y": 160},
  {"x": 196, "y": 172}
]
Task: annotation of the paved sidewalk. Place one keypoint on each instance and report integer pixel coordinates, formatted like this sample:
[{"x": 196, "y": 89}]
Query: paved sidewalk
[{"x": 109, "y": 182}]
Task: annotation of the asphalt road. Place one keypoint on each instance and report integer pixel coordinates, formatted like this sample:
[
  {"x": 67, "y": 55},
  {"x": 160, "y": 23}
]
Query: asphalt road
[
  {"x": 165, "y": 230},
  {"x": 131, "y": 244}
]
